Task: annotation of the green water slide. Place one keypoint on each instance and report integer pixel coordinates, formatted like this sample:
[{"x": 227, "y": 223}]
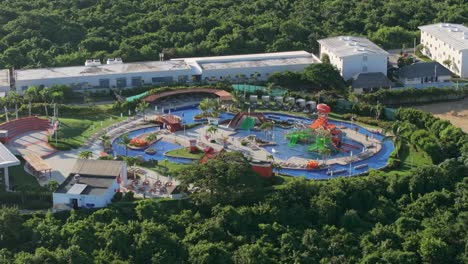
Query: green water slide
[
  {"x": 293, "y": 140},
  {"x": 321, "y": 144},
  {"x": 248, "y": 123}
]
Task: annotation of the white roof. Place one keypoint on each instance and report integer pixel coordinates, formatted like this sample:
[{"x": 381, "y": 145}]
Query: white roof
[
  {"x": 344, "y": 46},
  {"x": 106, "y": 69},
  {"x": 7, "y": 159},
  {"x": 248, "y": 57},
  {"x": 77, "y": 188},
  {"x": 455, "y": 35},
  {"x": 4, "y": 78},
  {"x": 259, "y": 63}
]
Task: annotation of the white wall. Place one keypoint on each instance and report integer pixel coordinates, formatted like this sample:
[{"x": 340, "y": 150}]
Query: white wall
[
  {"x": 215, "y": 74},
  {"x": 407, "y": 81},
  {"x": 93, "y": 81},
  {"x": 440, "y": 51},
  {"x": 98, "y": 201},
  {"x": 353, "y": 65},
  {"x": 349, "y": 66}
]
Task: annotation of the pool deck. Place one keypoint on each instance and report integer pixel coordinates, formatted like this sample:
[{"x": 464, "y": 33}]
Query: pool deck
[{"x": 372, "y": 146}]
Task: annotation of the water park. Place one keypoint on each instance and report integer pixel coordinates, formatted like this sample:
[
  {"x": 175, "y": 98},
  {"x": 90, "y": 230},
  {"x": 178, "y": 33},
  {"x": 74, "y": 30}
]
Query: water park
[{"x": 317, "y": 148}]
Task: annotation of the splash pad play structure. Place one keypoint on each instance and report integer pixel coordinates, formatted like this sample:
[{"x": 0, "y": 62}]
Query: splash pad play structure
[
  {"x": 325, "y": 138},
  {"x": 317, "y": 149}
]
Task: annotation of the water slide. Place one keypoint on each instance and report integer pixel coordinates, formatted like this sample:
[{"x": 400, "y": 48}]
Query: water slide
[
  {"x": 293, "y": 140},
  {"x": 248, "y": 123},
  {"x": 321, "y": 144},
  {"x": 320, "y": 122},
  {"x": 235, "y": 120}
]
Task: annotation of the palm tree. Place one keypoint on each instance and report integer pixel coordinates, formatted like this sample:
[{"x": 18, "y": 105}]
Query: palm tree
[
  {"x": 45, "y": 96},
  {"x": 85, "y": 154},
  {"x": 267, "y": 126},
  {"x": 204, "y": 105},
  {"x": 125, "y": 141},
  {"x": 4, "y": 104},
  {"x": 14, "y": 98},
  {"x": 142, "y": 106},
  {"x": 105, "y": 140},
  {"x": 212, "y": 130},
  {"x": 151, "y": 137},
  {"x": 270, "y": 157},
  {"x": 214, "y": 107},
  {"x": 378, "y": 110}
]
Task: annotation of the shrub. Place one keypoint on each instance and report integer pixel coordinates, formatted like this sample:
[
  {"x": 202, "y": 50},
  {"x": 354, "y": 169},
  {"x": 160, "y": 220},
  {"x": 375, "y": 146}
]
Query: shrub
[
  {"x": 117, "y": 197},
  {"x": 128, "y": 197}
]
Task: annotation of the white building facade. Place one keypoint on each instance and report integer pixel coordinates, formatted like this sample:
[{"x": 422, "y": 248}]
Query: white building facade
[
  {"x": 118, "y": 75},
  {"x": 354, "y": 55},
  {"x": 448, "y": 45},
  {"x": 86, "y": 200},
  {"x": 107, "y": 76},
  {"x": 249, "y": 67}
]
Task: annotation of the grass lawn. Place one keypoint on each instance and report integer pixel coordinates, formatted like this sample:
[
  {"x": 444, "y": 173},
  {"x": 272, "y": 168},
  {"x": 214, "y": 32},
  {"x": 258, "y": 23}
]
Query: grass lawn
[
  {"x": 20, "y": 178},
  {"x": 74, "y": 131},
  {"x": 184, "y": 153},
  {"x": 412, "y": 157}
]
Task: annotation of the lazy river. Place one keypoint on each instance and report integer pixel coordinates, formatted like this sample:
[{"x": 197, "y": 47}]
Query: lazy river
[{"x": 281, "y": 150}]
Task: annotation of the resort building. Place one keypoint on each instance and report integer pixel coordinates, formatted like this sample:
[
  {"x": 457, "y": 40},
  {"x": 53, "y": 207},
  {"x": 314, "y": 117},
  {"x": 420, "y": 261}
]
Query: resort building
[
  {"x": 7, "y": 159},
  {"x": 250, "y": 67},
  {"x": 354, "y": 55},
  {"x": 91, "y": 184},
  {"x": 448, "y": 45},
  {"x": 117, "y": 74},
  {"x": 423, "y": 72},
  {"x": 4, "y": 82}
]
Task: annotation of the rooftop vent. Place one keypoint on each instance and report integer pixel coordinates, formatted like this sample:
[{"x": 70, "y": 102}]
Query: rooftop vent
[
  {"x": 353, "y": 44},
  {"x": 445, "y": 25},
  {"x": 76, "y": 177},
  {"x": 114, "y": 61},
  {"x": 347, "y": 38},
  {"x": 454, "y": 29},
  {"x": 465, "y": 35},
  {"x": 92, "y": 62},
  {"x": 361, "y": 49}
]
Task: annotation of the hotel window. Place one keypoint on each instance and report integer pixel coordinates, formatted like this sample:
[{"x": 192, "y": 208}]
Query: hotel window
[
  {"x": 24, "y": 88},
  {"x": 121, "y": 82},
  {"x": 104, "y": 83},
  {"x": 136, "y": 81},
  {"x": 364, "y": 58},
  {"x": 364, "y": 68},
  {"x": 167, "y": 79}
]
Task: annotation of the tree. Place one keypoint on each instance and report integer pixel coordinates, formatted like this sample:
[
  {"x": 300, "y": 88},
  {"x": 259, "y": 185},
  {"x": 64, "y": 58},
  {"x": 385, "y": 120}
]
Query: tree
[
  {"x": 447, "y": 63},
  {"x": 105, "y": 141},
  {"x": 85, "y": 154},
  {"x": 125, "y": 142},
  {"x": 404, "y": 61},
  {"x": 212, "y": 130},
  {"x": 227, "y": 177},
  {"x": 15, "y": 99},
  {"x": 142, "y": 106},
  {"x": 324, "y": 76},
  {"x": 325, "y": 58}
]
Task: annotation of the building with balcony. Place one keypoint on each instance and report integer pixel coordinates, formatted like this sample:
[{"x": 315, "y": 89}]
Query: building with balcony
[{"x": 447, "y": 44}]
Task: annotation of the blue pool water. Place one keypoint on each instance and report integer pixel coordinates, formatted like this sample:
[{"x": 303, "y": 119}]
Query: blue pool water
[
  {"x": 282, "y": 150},
  {"x": 160, "y": 146}
]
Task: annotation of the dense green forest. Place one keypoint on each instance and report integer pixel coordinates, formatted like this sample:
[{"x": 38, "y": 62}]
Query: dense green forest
[
  {"x": 65, "y": 32},
  {"x": 401, "y": 215}
]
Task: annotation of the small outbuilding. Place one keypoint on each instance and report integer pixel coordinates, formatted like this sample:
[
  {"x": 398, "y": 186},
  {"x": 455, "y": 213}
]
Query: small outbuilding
[
  {"x": 370, "y": 82},
  {"x": 91, "y": 184},
  {"x": 423, "y": 72}
]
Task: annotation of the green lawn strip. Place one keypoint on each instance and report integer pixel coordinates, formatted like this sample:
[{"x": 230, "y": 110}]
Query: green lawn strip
[
  {"x": 74, "y": 131},
  {"x": 19, "y": 178},
  {"x": 422, "y": 56},
  {"x": 184, "y": 153}
]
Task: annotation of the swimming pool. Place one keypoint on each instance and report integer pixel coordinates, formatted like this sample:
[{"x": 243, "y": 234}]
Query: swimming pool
[{"x": 282, "y": 150}]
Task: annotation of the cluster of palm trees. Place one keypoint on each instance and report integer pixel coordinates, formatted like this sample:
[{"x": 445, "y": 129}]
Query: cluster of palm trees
[
  {"x": 210, "y": 107},
  {"x": 31, "y": 95}
]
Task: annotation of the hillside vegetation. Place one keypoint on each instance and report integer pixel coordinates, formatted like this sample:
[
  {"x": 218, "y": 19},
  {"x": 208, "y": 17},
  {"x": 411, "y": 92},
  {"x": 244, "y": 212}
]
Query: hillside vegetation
[{"x": 66, "y": 32}]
